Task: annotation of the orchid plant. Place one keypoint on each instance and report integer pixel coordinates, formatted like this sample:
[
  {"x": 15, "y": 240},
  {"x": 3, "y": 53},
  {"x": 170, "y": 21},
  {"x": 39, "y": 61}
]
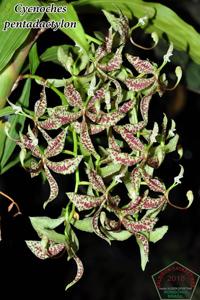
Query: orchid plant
[{"x": 102, "y": 129}]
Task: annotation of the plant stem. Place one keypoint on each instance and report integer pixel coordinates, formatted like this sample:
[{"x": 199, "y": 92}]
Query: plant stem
[{"x": 12, "y": 203}]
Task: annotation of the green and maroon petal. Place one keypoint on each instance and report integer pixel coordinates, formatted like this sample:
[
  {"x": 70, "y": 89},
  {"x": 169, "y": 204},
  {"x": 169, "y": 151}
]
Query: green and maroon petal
[
  {"x": 67, "y": 166},
  {"x": 54, "y": 249},
  {"x": 144, "y": 248},
  {"x": 133, "y": 142},
  {"x": 29, "y": 144},
  {"x": 56, "y": 145},
  {"x": 79, "y": 273},
  {"x": 146, "y": 225},
  {"x": 139, "y": 84},
  {"x": 124, "y": 158},
  {"x": 95, "y": 225},
  {"x": 73, "y": 96},
  {"x": 85, "y": 202},
  {"x": 85, "y": 138},
  {"x": 98, "y": 96},
  {"x": 96, "y": 180},
  {"x": 50, "y": 123},
  {"x": 111, "y": 119},
  {"x": 114, "y": 64},
  {"x": 126, "y": 106},
  {"x": 112, "y": 143},
  {"x": 136, "y": 178},
  {"x": 132, "y": 207},
  {"x": 35, "y": 168},
  {"x": 52, "y": 185},
  {"x": 94, "y": 129},
  {"x": 37, "y": 249},
  {"x": 150, "y": 203},
  {"x": 41, "y": 104},
  {"x": 144, "y": 107},
  {"x": 141, "y": 66},
  {"x": 153, "y": 183}
]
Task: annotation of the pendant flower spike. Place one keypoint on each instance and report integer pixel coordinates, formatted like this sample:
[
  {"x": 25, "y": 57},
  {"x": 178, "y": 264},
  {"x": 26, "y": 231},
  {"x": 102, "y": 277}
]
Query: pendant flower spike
[{"x": 54, "y": 148}]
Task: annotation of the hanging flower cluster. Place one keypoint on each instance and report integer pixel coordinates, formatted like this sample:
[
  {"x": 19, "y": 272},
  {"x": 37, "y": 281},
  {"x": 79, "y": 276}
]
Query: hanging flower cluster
[{"x": 103, "y": 129}]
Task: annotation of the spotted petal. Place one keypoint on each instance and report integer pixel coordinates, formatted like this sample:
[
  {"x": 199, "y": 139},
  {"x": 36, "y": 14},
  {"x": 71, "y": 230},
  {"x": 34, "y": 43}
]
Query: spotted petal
[
  {"x": 133, "y": 142},
  {"x": 96, "y": 180},
  {"x": 67, "y": 166},
  {"x": 132, "y": 207},
  {"x": 53, "y": 186},
  {"x": 144, "y": 107},
  {"x": 51, "y": 123},
  {"x": 37, "y": 249},
  {"x": 123, "y": 158},
  {"x": 144, "y": 249},
  {"x": 115, "y": 62},
  {"x": 85, "y": 139},
  {"x": 85, "y": 202},
  {"x": 41, "y": 104},
  {"x": 54, "y": 249},
  {"x": 95, "y": 224},
  {"x": 146, "y": 224},
  {"x": 141, "y": 66},
  {"x": 29, "y": 144},
  {"x": 79, "y": 273},
  {"x": 73, "y": 96},
  {"x": 56, "y": 145},
  {"x": 151, "y": 203},
  {"x": 126, "y": 106},
  {"x": 99, "y": 94},
  {"x": 139, "y": 84},
  {"x": 153, "y": 183}
]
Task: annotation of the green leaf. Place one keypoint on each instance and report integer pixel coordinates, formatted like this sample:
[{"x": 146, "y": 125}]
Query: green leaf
[
  {"x": 171, "y": 146},
  {"x": 50, "y": 54},
  {"x": 163, "y": 20},
  {"x": 76, "y": 34},
  {"x": 109, "y": 170},
  {"x": 45, "y": 222},
  {"x": 8, "y": 110},
  {"x": 33, "y": 59},
  {"x": 84, "y": 225},
  {"x": 157, "y": 234},
  {"x": 144, "y": 249},
  {"x": 18, "y": 121},
  {"x": 192, "y": 74},
  {"x": 119, "y": 236},
  {"x": 13, "y": 38}
]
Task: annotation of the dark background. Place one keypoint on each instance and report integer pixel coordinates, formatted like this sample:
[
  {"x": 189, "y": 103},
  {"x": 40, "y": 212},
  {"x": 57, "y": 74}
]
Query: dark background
[{"x": 110, "y": 272}]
